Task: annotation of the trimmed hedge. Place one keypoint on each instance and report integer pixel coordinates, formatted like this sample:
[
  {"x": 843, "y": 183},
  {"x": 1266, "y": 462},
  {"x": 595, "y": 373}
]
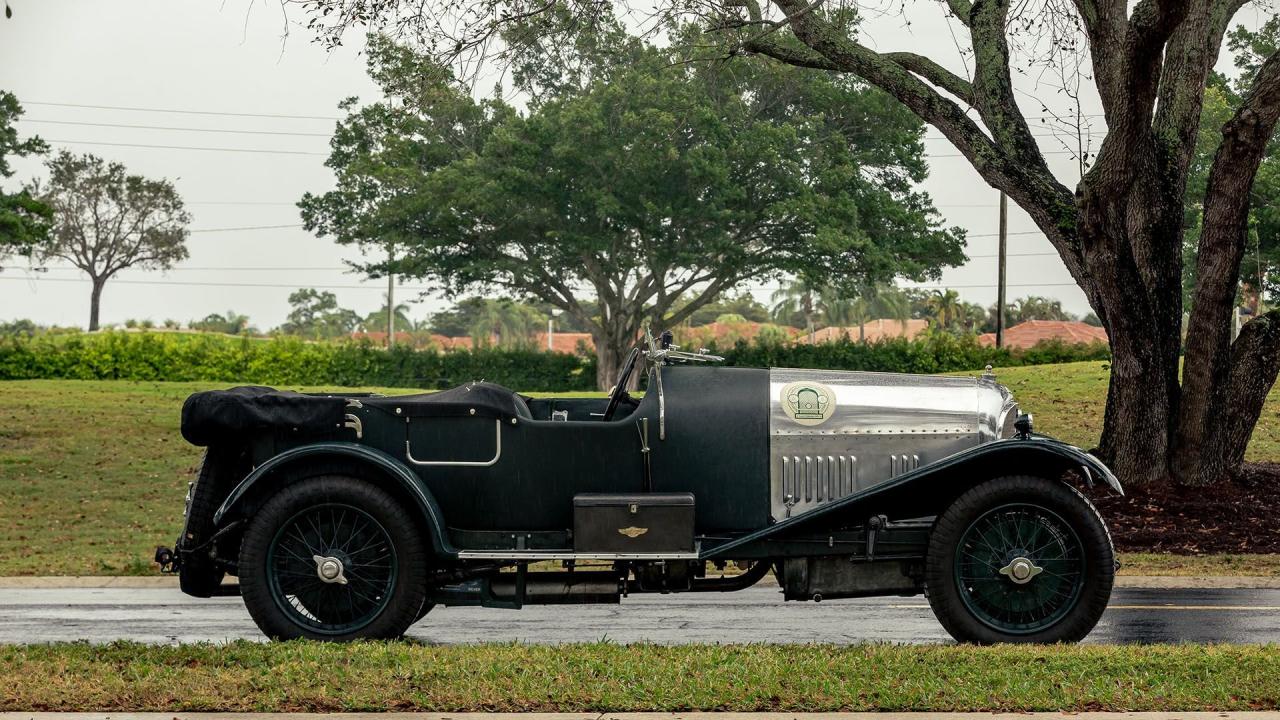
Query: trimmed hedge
[
  {"x": 282, "y": 361},
  {"x": 290, "y": 362},
  {"x": 930, "y": 353}
]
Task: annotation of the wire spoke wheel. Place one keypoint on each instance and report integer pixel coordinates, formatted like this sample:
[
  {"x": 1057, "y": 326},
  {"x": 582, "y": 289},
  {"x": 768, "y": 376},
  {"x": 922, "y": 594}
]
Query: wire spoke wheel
[
  {"x": 331, "y": 568},
  {"x": 1019, "y": 568}
]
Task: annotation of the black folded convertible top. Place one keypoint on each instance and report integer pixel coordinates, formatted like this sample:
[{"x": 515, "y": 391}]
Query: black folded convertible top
[
  {"x": 220, "y": 416},
  {"x": 479, "y": 399},
  {"x": 217, "y": 416}
]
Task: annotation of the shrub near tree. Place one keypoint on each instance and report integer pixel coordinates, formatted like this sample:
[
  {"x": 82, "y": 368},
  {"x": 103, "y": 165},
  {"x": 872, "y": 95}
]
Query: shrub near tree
[{"x": 647, "y": 184}]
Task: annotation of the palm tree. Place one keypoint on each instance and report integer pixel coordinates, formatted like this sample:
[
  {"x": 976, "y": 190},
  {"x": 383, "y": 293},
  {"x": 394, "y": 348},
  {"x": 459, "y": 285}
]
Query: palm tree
[
  {"x": 946, "y": 308},
  {"x": 377, "y": 320},
  {"x": 796, "y": 297},
  {"x": 871, "y": 301},
  {"x": 512, "y": 323}
]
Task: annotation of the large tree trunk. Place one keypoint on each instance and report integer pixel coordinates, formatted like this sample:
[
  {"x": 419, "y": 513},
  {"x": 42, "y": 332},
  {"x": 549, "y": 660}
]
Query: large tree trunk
[
  {"x": 607, "y": 360},
  {"x": 1226, "y": 383},
  {"x": 95, "y": 302}
]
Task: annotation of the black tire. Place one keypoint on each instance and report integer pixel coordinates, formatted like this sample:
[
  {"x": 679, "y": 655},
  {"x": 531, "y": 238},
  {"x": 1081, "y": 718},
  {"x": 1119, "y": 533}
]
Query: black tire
[
  {"x": 220, "y": 469},
  {"x": 383, "y": 583},
  {"x": 998, "y": 609}
]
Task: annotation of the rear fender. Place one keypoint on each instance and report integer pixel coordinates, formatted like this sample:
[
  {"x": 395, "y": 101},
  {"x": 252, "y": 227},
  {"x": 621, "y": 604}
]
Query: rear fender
[
  {"x": 309, "y": 460},
  {"x": 930, "y": 489}
]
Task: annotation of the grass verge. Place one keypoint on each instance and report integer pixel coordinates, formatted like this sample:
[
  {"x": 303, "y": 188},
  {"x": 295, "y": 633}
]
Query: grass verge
[
  {"x": 1261, "y": 565},
  {"x": 301, "y": 676}
]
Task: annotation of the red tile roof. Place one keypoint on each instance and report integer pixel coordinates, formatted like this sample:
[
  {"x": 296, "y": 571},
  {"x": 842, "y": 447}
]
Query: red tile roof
[
  {"x": 723, "y": 334},
  {"x": 1027, "y": 334},
  {"x": 872, "y": 330},
  {"x": 564, "y": 342}
]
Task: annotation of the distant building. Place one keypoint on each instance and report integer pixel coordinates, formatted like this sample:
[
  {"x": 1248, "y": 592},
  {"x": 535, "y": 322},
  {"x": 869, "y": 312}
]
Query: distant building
[
  {"x": 565, "y": 342},
  {"x": 1027, "y": 334},
  {"x": 724, "y": 334},
  {"x": 872, "y": 331}
]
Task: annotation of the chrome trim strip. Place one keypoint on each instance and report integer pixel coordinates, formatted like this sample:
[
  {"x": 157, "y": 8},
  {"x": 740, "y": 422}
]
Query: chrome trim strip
[
  {"x": 563, "y": 555},
  {"x": 497, "y": 453}
]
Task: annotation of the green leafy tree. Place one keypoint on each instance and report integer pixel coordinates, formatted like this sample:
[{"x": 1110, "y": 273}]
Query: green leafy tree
[
  {"x": 106, "y": 220},
  {"x": 742, "y": 305},
  {"x": 1032, "y": 307},
  {"x": 376, "y": 321},
  {"x": 1119, "y": 230},
  {"x": 946, "y": 309},
  {"x": 505, "y": 323},
  {"x": 316, "y": 315},
  {"x": 24, "y": 220},
  {"x": 232, "y": 323},
  {"x": 796, "y": 304},
  {"x": 1260, "y": 267},
  {"x": 467, "y": 314},
  {"x": 871, "y": 302},
  {"x": 634, "y": 179}
]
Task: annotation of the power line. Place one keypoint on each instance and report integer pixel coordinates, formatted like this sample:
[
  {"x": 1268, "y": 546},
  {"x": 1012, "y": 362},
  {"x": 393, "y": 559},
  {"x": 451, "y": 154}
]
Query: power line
[
  {"x": 184, "y": 112},
  {"x": 238, "y": 202},
  {"x": 181, "y": 283},
  {"x": 246, "y": 227},
  {"x": 228, "y": 268},
  {"x": 188, "y": 147},
  {"x": 179, "y": 129}
]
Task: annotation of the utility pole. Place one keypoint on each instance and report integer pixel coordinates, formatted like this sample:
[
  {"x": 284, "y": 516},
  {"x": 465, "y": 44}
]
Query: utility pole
[
  {"x": 550, "y": 329},
  {"x": 391, "y": 303},
  {"x": 1004, "y": 247}
]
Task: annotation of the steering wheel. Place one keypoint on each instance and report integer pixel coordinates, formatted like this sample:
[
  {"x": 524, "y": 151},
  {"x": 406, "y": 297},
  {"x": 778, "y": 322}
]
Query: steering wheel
[{"x": 620, "y": 389}]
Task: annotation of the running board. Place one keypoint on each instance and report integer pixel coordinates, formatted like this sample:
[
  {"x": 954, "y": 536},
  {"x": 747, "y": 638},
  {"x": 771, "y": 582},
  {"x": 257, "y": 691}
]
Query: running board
[{"x": 530, "y": 555}]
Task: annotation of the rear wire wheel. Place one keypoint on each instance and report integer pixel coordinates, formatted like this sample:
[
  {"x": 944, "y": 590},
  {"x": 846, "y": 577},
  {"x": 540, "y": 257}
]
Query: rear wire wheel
[
  {"x": 1020, "y": 559},
  {"x": 333, "y": 558}
]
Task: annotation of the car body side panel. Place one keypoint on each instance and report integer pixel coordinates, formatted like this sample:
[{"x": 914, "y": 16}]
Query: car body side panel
[
  {"x": 541, "y": 466},
  {"x": 717, "y": 444}
]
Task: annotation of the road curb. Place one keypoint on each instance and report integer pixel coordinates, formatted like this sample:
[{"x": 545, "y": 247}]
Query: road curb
[
  {"x": 1262, "y": 715},
  {"x": 165, "y": 582}
]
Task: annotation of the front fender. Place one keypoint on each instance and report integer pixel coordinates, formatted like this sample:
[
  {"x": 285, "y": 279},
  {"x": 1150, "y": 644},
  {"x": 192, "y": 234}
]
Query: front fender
[
  {"x": 385, "y": 466},
  {"x": 928, "y": 490}
]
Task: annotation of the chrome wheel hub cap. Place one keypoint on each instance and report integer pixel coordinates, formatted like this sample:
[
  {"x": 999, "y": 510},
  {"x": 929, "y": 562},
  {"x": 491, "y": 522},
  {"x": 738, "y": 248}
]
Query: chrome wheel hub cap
[
  {"x": 1021, "y": 570},
  {"x": 329, "y": 569}
]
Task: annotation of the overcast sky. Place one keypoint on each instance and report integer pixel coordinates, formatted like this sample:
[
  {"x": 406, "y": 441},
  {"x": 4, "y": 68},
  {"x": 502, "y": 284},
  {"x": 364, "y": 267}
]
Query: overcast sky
[{"x": 239, "y": 118}]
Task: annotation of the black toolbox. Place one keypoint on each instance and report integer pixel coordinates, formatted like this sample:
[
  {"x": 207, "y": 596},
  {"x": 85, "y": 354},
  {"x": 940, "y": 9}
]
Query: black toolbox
[{"x": 633, "y": 523}]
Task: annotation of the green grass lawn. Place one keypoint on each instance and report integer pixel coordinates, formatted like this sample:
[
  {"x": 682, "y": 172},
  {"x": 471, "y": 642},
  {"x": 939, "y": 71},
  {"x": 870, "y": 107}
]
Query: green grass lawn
[
  {"x": 92, "y": 473},
  {"x": 603, "y": 677}
]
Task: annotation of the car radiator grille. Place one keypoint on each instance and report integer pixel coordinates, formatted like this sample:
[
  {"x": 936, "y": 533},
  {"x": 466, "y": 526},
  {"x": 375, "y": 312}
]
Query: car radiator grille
[{"x": 818, "y": 478}]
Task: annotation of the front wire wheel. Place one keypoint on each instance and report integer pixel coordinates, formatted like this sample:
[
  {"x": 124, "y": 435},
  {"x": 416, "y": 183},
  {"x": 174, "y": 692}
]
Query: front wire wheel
[
  {"x": 333, "y": 558},
  {"x": 1020, "y": 559}
]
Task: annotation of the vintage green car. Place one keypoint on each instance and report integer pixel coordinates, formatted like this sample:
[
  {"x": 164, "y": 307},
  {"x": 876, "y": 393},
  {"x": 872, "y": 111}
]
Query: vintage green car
[{"x": 352, "y": 516}]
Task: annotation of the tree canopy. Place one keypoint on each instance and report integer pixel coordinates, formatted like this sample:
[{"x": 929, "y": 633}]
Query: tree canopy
[
  {"x": 644, "y": 183},
  {"x": 24, "y": 220},
  {"x": 315, "y": 314},
  {"x": 106, "y": 220}
]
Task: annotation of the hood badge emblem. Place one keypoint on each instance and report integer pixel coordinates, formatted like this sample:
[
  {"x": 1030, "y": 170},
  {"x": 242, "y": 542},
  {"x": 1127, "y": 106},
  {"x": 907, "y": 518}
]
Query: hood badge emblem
[
  {"x": 632, "y": 532},
  {"x": 808, "y": 403}
]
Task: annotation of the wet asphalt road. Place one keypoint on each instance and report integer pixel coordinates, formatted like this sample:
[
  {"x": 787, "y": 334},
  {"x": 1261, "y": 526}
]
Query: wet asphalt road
[{"x": 755, "y": 615}]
